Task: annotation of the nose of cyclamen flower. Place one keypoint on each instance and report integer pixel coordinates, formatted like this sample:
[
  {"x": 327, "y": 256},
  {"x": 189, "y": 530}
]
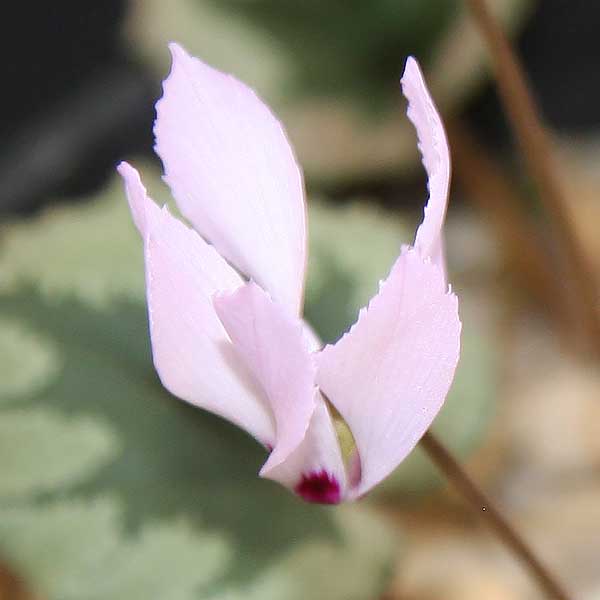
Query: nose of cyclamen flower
[
  {"x": 319, "y": 486},
  {"x": 239, "y": 348}
]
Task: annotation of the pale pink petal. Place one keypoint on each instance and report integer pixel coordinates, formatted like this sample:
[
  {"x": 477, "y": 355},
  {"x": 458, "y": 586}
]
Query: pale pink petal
[
  {"x": 312, "y": 338},
  {"x": 272, "y": 344},
  {"x": 389, "y": 375},
  {"x": 233, "y": 175},
  {"x": 436, "y": 159},
  {"x": 137, "y": 197},
  {"x": 315, "y": 469},
  {"x": 192, "y": 353}
]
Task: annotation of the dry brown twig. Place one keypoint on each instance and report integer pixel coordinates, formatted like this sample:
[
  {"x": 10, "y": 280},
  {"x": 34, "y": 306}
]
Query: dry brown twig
[
  {"x": 482, "y": 504},
  {"x": 536, "y": 148}
]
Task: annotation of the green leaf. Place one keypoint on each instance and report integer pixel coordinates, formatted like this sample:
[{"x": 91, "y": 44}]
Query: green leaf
[
  {"x": 112, "y": 489},
  {"x": 71, "y": 549},
  {"x": 91, "y": 251},
  {"x": 319, "y": 562},
  {"x": 360, "y": 50},
  {"x": 351, "y": 249},
  {"x": 71, "y": 447},
  {"x": 19, "y": 376}
]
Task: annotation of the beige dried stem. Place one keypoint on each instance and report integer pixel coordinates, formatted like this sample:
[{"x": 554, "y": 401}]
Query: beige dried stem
[
  {"x": 536, "y": 149},
  {"x": 482, "y": 504}
]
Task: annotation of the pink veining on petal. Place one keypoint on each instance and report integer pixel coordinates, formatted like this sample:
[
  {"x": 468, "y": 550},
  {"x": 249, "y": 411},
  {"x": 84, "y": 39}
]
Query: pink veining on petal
[{"x": 319, "y": 487}]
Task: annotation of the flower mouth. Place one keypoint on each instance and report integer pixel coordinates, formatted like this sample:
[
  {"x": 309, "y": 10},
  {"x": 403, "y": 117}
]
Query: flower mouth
[
  {"x": 319, "y": 487},
  {"x": 322, "y": 487},
  {"x": 348, "y": 448}
]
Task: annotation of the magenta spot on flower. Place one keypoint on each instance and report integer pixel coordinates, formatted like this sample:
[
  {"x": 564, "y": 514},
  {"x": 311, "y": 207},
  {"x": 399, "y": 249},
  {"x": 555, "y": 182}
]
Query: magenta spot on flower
[{"x": 319, "y": 486}]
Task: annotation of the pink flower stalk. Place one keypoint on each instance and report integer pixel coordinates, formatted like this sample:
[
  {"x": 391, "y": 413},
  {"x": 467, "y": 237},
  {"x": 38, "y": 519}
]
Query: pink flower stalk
[{"x": 235, "y": 344}]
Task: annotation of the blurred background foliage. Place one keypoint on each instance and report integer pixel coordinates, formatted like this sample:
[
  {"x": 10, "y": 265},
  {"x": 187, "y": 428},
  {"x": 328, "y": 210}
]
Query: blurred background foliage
[
  {"x": 101, "y": 472},
  {"x": 354, "y": 54},
  {"x": 331, "y": 70}
]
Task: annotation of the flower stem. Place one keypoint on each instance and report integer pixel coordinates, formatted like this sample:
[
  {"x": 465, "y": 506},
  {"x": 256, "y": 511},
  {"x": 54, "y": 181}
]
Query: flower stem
[
  {"x": 444, "y": 460},
  {"x": 536, "y": 149}
]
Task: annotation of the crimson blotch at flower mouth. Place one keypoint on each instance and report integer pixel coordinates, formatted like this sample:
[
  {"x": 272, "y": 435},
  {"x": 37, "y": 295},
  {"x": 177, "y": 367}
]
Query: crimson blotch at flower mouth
[{"x": 225, "y": 298}]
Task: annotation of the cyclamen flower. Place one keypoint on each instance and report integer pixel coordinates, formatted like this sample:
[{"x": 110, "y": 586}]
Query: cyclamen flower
[{"x": 225, "y": 298}]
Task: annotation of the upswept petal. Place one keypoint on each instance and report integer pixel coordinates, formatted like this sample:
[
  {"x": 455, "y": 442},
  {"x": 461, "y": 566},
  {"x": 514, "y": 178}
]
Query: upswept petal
[
  {"x": 273, "y": 346},
  {"x": 436, "y": 159},
  {"x": 233, "y": 174},
  {"x": 139, "y": 202},
  {"x": 389, "y": 375},
  {"x": 192, "y": 353}
]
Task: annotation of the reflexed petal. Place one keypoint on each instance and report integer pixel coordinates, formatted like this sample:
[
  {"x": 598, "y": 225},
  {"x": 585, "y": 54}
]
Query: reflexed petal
[
  {"x": 436, "y": 159},
  {"x": 389, "y": 375},
  {"x": 273, "y": 345},
  {"x": 192, "y": 353},
  {"x": 233, "y": 175}
]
